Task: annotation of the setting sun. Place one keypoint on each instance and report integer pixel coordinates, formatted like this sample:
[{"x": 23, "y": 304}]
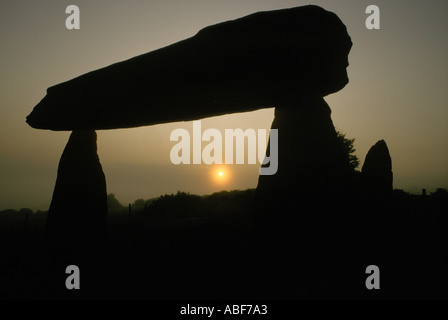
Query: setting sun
[{"x": 220, "y": 175}]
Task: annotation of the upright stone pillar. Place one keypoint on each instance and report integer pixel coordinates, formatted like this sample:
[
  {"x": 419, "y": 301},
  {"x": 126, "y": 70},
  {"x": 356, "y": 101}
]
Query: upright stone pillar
[
  {"x": 376, "y": 174},
  {"x": 78, "y": 210},
  {"x": 313, "y": 170}
]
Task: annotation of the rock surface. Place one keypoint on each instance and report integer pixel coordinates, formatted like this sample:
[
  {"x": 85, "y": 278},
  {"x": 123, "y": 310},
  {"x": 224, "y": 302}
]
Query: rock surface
[
  {"x": 77, "y": 214},
  {"x": 261, "y": 60},
  {"x": 311, "y": 158},
  {"x": 299, "y": 211},
  {"x": 376, "y": 173}
]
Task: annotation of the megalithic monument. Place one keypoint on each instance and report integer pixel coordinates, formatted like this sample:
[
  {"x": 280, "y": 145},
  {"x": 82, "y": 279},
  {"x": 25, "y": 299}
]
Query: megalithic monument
[{"x": 289, "y": 59}]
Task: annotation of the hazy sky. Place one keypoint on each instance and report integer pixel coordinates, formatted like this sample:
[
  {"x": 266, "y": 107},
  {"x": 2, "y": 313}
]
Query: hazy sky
[{"x": 397, "y": 91}]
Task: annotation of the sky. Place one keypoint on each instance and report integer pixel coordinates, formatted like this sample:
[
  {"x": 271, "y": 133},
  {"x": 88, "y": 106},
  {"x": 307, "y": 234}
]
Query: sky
[{"x": 397, "y": 91}]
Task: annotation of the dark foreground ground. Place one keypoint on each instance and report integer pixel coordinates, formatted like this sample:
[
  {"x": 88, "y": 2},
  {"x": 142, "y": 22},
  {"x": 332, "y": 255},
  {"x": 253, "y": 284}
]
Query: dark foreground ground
[{"x": 188, "y": 247}]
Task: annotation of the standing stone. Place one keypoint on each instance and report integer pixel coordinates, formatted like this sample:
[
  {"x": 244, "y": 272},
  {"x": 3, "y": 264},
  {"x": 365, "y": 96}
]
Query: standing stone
[
  {"x": 311, "y": 160},
  {"x": 298, "y": 210},
  {"x": 376, "y": 174},
  {"x": 77, "y": 214}
]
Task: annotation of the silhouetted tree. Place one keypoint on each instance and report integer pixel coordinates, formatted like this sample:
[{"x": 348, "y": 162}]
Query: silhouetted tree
[
  {"x": 138, "y": 205},
  {"x": 440, "y": 193},
  {"x": 112, "y": 202},
  {"x": 349, "y": 147}
]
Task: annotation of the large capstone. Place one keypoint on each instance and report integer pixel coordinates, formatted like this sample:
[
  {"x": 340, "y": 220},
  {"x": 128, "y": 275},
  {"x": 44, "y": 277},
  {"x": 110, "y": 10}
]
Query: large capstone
[{"x": 258, "y": 61}]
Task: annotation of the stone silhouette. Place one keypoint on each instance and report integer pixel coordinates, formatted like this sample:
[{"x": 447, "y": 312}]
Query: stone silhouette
[
  {"x": 257, "y": 61},
  {"x": 311, "y": 158},
  {"x": 376, "y": 173},
  {"x": 289, "y": 59},
  {"x": 78, "y": 210}
]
